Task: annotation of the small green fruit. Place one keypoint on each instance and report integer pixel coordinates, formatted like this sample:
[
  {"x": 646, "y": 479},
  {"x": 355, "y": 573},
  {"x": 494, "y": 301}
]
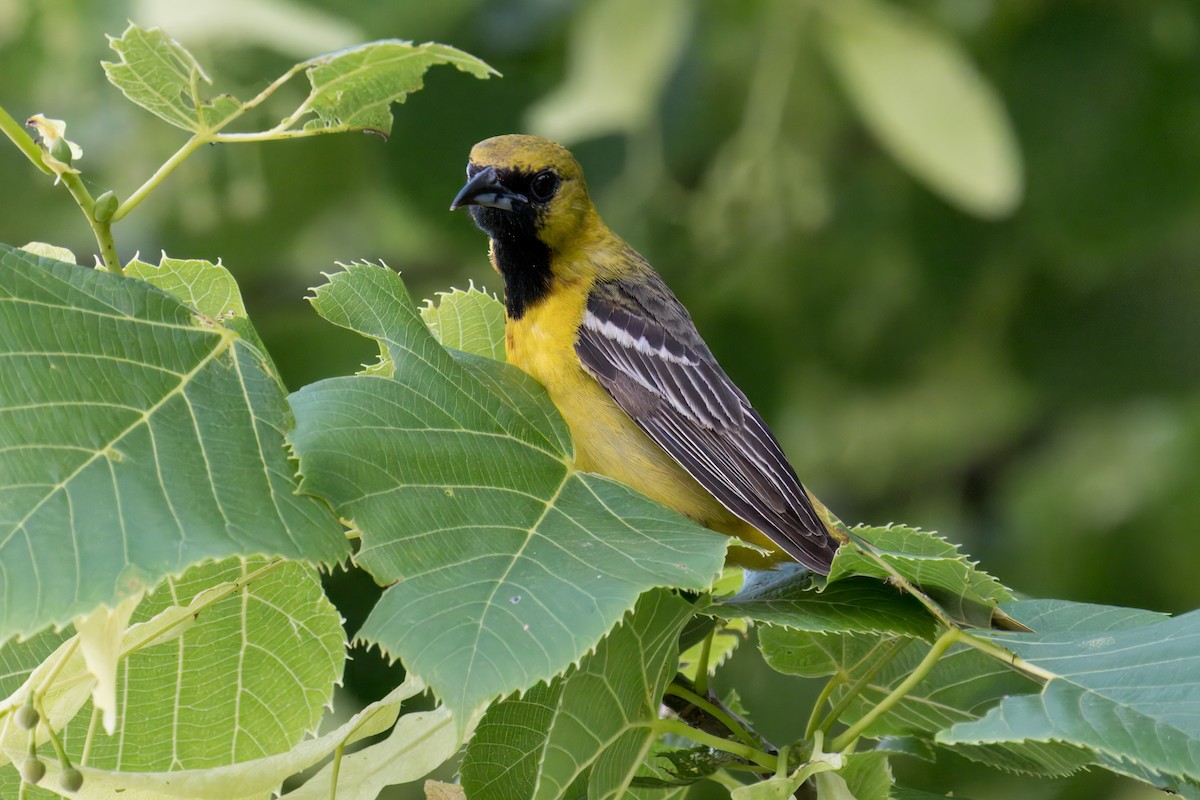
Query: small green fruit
[
  {"x": 61, "y": 151},
  {"x": 71, "y": 779},
  {"x": 106, "y": 206},
  {"x": 27, "y": 717},
  {"x": 33, "y": 770}
]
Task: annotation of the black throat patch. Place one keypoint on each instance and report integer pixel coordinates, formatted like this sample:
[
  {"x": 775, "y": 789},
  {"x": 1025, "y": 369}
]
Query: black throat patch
[{"x": 522, "y": 258}]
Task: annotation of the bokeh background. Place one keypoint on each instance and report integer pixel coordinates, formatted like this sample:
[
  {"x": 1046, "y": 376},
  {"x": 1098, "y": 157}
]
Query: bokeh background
[{"x": 948, "y": 247}]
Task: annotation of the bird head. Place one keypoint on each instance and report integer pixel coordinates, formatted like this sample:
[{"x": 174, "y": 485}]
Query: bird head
[{"x": 525, "y": 187}]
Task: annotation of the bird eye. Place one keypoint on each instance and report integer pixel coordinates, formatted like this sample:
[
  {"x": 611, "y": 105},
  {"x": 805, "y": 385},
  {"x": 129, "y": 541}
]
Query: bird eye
[{"x": 543, "y": 186}]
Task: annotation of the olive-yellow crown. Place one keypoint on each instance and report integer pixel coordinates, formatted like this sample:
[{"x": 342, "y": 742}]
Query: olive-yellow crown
[{"x": 533, "y": 182}]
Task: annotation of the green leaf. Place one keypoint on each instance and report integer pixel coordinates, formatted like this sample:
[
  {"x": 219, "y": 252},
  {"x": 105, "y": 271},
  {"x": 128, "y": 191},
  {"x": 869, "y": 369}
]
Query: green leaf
[
  {"x": 208, "y": 288},
  {"x": 353, "y": 89},
  {"x": 418, "y": 744},
  {"x": 962, "y": 687},
  {"x": 504, "y": 757},
  {"x": 725, "y": 640},
  {"x": 161, "y": 76},
  {"x": 507, "y": 564},
  {"x": 865, "y": 776},
  {"x": 231, "y": 663},
  {"x": 622, "y": 54},
  {"x": 139, "y": 439},
  {"x": 926, "y": 103},
  {"x": 815, "y": 655},
  {"x": 792, "y": 598},
  {"x": 247, "y": 680},
  {"x": 471, "y": 321},
  {"x": 1128, "y": 693},
  {"x": 599, "y": 719},
  {"x": 930, "y": 562}
]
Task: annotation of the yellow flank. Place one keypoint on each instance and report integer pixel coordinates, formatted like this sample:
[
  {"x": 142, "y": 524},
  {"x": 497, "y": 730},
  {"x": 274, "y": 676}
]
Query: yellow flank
[{"x": 607, "y": 441}]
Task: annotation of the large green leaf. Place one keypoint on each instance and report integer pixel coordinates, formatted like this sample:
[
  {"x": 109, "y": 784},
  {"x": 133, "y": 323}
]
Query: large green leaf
[
  {"x": 926, "y": 103},
  {"x": 230, "y": 663},
  {"x": 596, "y": 723},
  {"x": 1128, "y": 692},
  {"x": 354, "y": 89},
  {"x": 963, "y": 685},
  {"x": 136, "y": 438},
  {"x": 161, "y": 76},
  {"x": 507, "y": 564}
]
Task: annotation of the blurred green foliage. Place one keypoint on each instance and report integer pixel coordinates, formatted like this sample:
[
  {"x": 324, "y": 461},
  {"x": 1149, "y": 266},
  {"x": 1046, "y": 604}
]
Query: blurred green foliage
[{"x": 1028, "y": 384}]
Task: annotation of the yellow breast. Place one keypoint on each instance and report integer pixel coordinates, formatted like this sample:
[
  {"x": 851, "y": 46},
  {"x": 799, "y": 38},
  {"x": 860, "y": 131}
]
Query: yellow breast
[{"x": 607, "y": 441}]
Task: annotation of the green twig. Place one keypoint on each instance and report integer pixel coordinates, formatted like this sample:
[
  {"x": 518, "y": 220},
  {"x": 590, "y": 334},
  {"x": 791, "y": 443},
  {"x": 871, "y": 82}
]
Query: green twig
[
  {"x": 335, "y": 769},
  {"x": 826, "y": 692},
  {"x": 91, "y": 735},
  {"x": 162, "y": 172},
  {"x": 990, "y": 648},
  {"x": 943, "y": 643},
  {"x": 701, "y": 681},
  {"x": 59, "y": 750},
  {"x": 890, "y": 648},
  {"x": 717, "y": 743},
  {"x": 24, "y": 142},
  {"x": 102, "y": 230},
  {"x": 714, "y": 711}
]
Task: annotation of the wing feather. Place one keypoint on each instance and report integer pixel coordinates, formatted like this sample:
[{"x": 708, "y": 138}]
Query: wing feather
[{"x": 639, "y": 343}]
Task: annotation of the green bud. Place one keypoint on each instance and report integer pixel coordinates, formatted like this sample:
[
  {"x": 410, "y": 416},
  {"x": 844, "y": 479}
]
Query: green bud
[
  {"x": 27, "y": 717},
  {"x": 71, "y": 779},
  {"x": 33, "y": 770},
  {"x": 106, "y": 206},
  {"x": 61, "y": 151}
]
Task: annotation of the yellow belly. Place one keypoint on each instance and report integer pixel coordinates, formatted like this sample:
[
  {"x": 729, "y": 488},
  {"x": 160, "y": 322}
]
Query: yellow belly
[{"x": 606, "y": 440}]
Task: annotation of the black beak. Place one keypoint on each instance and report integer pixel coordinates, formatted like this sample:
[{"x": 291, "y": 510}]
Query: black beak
[{"x": 485, "y": 189}]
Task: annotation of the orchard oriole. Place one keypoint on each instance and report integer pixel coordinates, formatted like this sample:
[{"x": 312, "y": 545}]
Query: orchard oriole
[{"x": 646, "y": 401}]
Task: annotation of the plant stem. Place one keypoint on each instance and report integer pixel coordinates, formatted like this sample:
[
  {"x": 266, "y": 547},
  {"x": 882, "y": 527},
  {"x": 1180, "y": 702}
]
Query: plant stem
[
  {"x": 21, "y": 138},
  {"x": 999, "y": 653},
  {"x": 54, "y": 742},
  {"x": 334, "y": 769},
  {"x": 701, "y": 681},
  {"x": 943, "y": 643},
  {"x": 162, "y": 172},
  {"x": 826, "y": 692},
  {"x": 101, "y": 230},
  {"x": 91, "y": 734},
  {"x": 715, "y": 711},
  {"x": 890, "y": 648},
  {"x": 717, "y": 743}
]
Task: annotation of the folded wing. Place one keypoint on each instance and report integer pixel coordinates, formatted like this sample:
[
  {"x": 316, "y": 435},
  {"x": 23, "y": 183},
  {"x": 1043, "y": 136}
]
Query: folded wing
[{"x": 640, "y": 344}]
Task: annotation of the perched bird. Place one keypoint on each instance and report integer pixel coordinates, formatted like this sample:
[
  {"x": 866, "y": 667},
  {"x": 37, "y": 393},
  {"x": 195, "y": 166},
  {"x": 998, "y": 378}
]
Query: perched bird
[{"x": 646, "y": 401}]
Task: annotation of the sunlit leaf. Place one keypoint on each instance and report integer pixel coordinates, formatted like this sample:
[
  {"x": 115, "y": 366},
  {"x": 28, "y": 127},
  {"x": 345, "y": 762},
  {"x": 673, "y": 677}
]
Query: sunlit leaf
[
  {"x": 233, "y": 662},
  {"x": 138, "y": 439},
  {"x": 208, "y": 288},
  {"x": 354, "y": 89},
  {"x": 471, "y": 321},
  {"x": 507, "y": 565},
  {"x": 161, "y": 76},
  {"x": 622, "y": 53},
  {"x": 926, "y": 103}
]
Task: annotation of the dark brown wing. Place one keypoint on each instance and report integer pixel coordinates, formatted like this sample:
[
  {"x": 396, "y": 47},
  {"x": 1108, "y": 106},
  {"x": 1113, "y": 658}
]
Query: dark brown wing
[{"x": 638, "y": 341}]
